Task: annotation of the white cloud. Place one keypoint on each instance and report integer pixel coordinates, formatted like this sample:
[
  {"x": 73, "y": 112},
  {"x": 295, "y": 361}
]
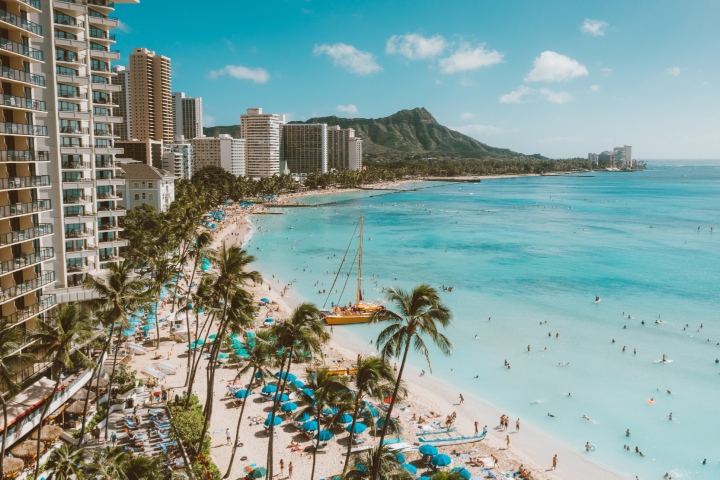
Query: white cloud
[
  {"x": 208, "y": 120},
  {"x": 554, "y": 67},
  {"x": 257, "y": 75},
  {"x": 467, "y": 115},
  {"x": 480, "y": 130},
  {"x": 415, "y": 47},
  {"x": 123, "y": 27},
  {"x": 349, "y": 58},
  {"x": 516, "y": 96},
  {"x": 347, "y": 108},
  {"x": 606, "y": 71},
  {"x": 467, "y": 57},
  {"x": 596, "y": 28},
  {"x": 673, "y": 71},
  {"x": 595, "y": 88},
  {"x": 466, "y": 82},
  {"x": 556, "y": 97}
]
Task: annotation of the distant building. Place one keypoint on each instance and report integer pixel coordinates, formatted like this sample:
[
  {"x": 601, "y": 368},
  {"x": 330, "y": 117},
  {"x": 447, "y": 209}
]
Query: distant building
[
  {"x": 618, "y": 157},
  {"x": 187, "y": 116},
  {"x": 623, "y": 156},
  {"x": 355, "y": 153},
  {"x": 304, "y": 148},
  {"x": 147, "y": 185},
  {"x": 220, "y": 151},
  {"x": 262, "y": 134},
  {"x": 342, "y": 143},
  {"x": 147, "y": 151},
  {"x": 121, "y": 98},
  {"x": 178, "y": 158},
  {"x": 151, "y": 97}
]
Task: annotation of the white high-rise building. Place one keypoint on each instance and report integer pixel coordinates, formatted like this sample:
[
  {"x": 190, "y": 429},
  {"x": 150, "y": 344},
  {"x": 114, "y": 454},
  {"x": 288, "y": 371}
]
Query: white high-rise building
[
  {"x": 355, "y": 153},
  {"x": 187, "y": 116},
  {"x": 178, "y": 158},
  {"x": 221, "y": 151},
  {"x": 121, "y": 98},
  {"x": 623, "y": 156},
  {"x": 262, "y": 134}
]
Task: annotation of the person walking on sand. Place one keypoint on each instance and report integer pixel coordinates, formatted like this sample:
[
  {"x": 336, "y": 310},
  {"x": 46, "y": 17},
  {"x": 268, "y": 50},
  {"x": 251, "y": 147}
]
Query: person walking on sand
[
  {"x": 476, "y": 428},
  {"x": 517, "y": 425},
  {"x": 228, "y": 436},
  {"x": 290, "y": 469},
  {"x": 507, "y": 441},
  {"x": 461, "y": 399},
  {"x": 555, "y": 462},
  {"x": 282, "y": 466}
]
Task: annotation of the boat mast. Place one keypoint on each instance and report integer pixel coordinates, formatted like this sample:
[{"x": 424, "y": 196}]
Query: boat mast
[{"x": 358, "y": 295}]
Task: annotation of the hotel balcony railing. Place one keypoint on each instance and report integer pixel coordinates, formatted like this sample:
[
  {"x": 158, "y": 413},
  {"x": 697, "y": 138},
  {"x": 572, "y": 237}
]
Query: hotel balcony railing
[
  {"x": 77, "y": 180},
  {"x": 101, "y": 3},
  {"x": 21, "y": 49},
  {"x": 29, "y": 286},
  {"x": 72, "y": 142},
  {"x": 27, "y": 234},
  {"x": 77, "y": 267},
  {"x": 72, "y": 107},
  {"x": 105, "y": 133},
  {"x": 8, "y": 128},
  {"x": 75, "y": 95},
  {"x": 24, "y": 156},
  {"x": 44, "y": 303},
  {"x": 32, "y": 3},
  {"x": 107, "y": 227},
  {"x": 75, "y": 165},
  {"x": 102, "y": 100},
  {"x": 102, "y": 164},
  {"x": 22, "y": 102},
  {"x": 102, "y": 35},
  {"x": 110, "y": 258},
  {"x": 25, "y": 208},
  {"x": 76, "y": 199},
  {"x": 26, "y": 260},
  {"x": 107, "y": 196},
  {"x": 24, "y": 182},
  {"x": 67, "y": 20},
  {"x": 100, "y": 68},
  {"x": 20, "y": 76},
  {"x": 75, "y": 130},
  {"x": 70, "y": 57},
  {"x": 20, "y": 22},
  {"x": 78, "y": 233}
]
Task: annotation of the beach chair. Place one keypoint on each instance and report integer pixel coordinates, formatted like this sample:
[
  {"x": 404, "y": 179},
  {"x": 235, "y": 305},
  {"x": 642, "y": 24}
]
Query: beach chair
[{"x": 130, "y": 423}]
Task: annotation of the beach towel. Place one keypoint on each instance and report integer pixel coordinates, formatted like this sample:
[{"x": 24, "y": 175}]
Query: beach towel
[{"x": 219, "y": 430}]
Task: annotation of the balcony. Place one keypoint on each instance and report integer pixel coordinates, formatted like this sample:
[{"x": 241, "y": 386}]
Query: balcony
[
  {"x": 7, "y": 128},
  {"x": 111, "y": 243},
  {"x": 44, "y": 303},
  {"x": 109, "y": 228},
  {"x": 69, "y": 57},
  {"x": 27, "y": 287},
  {"x": 101, "y": 3},
  {"x": 104, "y": 132},
  {"x": 78, "y": 267},
  {"x": 108, "y": 118},
  {"x": 77, "y": 183},
  {"x": 107, "y": 196},
  {"x": 33, "y": 181},
  {"x": 68, "y": 21},
  {"x": 110, "y": 55},
  {"x": 104, "y": 212},
  {"x": 21, "y": 23},
  {"x": 75, "y": 80},
  {"x": 32, "y": 3},
  {"x": 27, "y": 260},
  {"x": 22, "y": 102},
  {"x": 103, "y": 100},
  {"x": 21, "y": 76},
  {"x": 102, "y": 35},
  {"x": 22, "y": 156},
  {"x": 69, "y": 130},
  {"x": 109, "y": 22},
  {"x": 41, "y": 230},
  {"x": 100, "y": 68},
  {"x": 76, "y": 165},
  {"x": 111, "y": 258},
  {"x": 20, "y": 49},
  {"x": 76, "y": 199},
  {"x": 78, "y": 233},
  {"x": 25, "y": 208}
]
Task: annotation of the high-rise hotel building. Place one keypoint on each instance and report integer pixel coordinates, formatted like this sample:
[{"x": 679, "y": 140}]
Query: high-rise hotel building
[
  {"x": 151, "y": 106},
  {"x": 305, "y": 148},
  {"x": 262, "y": 133}
]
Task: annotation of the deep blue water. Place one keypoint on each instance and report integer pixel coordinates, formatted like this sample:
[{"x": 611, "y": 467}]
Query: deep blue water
[{"x": 536, "y": 249}]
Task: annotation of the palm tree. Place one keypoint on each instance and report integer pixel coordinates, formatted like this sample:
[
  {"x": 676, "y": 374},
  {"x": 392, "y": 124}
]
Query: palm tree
[
  {"x": 330, "y": 391},
  {"x": 384, "y": 461},
  {"x": 106, "y": 463},
  {"x": 11, "y": 361},
  {"x": 374, "y": 380},
  {"x": 262, "y": 355},
  {"x": 102, "y": 317},
  {"x": 420, "y": 312},
  {"x": 117, "y": 293},
  {"x": 203, "y": 299},
  {"x": 163, "y": 272},
  {"x": 301, "y": 333},
  {"x": 65, "y": 463},
  {"x": 141, "y": 468},
  {"x": 59, "y": 341}
]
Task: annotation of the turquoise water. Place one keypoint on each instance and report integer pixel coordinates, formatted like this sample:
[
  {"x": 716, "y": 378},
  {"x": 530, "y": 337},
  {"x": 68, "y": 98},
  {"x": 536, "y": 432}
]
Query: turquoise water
[{"x": 530, "y": 250}]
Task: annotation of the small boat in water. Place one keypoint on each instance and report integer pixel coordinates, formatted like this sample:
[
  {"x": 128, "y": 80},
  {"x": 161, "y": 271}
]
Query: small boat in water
[{"x": 441, "y": 442}]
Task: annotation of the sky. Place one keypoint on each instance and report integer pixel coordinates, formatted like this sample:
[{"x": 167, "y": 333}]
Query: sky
[{"x": 557, "y": 77}]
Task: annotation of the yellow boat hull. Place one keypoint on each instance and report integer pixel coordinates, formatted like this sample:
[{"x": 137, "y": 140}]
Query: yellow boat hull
[{"x": 348, "y": 319}]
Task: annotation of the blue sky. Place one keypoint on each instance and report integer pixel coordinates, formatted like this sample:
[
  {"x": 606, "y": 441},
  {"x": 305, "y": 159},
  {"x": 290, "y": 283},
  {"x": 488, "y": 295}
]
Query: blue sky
[{"x": 556, "y": 77}]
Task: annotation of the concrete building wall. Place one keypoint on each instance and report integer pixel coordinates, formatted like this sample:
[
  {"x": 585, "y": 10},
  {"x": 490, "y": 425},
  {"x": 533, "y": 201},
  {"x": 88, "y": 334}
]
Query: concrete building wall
[
  {"x": 262, "y": 134},
  {"x": 305, "y": 148},
  {"x": 151, "y": 96}
]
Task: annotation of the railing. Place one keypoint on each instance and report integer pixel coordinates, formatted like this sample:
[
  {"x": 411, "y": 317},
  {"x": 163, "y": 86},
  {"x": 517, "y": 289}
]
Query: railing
[
  {"x": 67, "y": 20},
  {"x": 107, "y": 195},
  {"x": 26, "y": 234},
  {"x": 25, "y": 208},
  {"x": 20, "y": 22},
  {"x": 71, "y": 107},
  {"x": 103, "y": 164},
  {"x": 102, "y": 100},
  {"x": 72, "y": 142},
  {"x": 23, "y": 102},
  {"x": 76, "y": 248},
  {"x": 107, "y": 227},
  {"x": 21, "y": 49},
  {"x": 70, "y": 57},
  {"x": 23, "y": 129},
  {"x": 32, "y": 3},
  {"x": 100, "y": 68},
  {"x": 108, "y": 239},
  {"x": 26, "y": 260},
  {"x": 101, "y": 3},
  {"x": 78, "y": 232},
  {"x": 110, "y": 258},
  {"x": 76, "y": 165},
  {"x": 25, "y": 182},
  {"x": 43, "y": 304},
  {"x": 77, "y": 267},
  {"x": 70, "y": 199},
  {"x": 28, "y": 286},
  {"x": 101, "y": 34},
  {"x": 24, "y": 156},
  {"x": 20, "y": 76},
  {"x": 76, "y": 180},
  {"x": 69, "y": 130},
  {"x": 102, "y": 132},
  {"x": 75, "y": 95}
]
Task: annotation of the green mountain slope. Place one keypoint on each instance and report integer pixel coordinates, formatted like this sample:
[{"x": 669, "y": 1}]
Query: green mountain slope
[{"x": 405, "y": 133}]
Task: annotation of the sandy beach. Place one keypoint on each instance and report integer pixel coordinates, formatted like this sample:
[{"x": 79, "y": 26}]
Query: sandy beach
[{"x": 428, "y": 395}]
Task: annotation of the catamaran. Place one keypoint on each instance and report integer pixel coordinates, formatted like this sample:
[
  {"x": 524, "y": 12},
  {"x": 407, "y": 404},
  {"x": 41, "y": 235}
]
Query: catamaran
[{"x": 360, "y": 312}]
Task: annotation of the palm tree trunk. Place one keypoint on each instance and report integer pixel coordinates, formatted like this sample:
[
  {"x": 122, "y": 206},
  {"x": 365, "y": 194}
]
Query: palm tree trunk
[
  {"x": 44, "y": 413},
  {"x": 237, "y": 431},
  {"x": 388, "y": 418},
  {"x": 352, "y": 429},
  {"x": 197, "y": 356},
  {"x": 97, "y": 386},
  {"x": 4, "y": 434},
  {"x": 317, "y": 444},
  {"x": 271, "y": 442},
  {"x": 112, "y": 378},
  {"x": 187, "y": 321},
  {"x": 157, "y": 324}
]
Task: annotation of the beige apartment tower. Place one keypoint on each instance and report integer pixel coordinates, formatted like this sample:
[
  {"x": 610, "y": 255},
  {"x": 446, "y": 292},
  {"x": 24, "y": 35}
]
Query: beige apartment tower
[
  {"x": 151, "y": 106},
  {"x": 304, "y": 148},
  {"x": 262, "y": 133}
]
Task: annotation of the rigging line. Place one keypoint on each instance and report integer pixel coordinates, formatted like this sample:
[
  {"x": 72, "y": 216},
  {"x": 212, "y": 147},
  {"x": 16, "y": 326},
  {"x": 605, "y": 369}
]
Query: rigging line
[
  {"x": 348, "y": 277},
  {"x": 341, "y": 265}
]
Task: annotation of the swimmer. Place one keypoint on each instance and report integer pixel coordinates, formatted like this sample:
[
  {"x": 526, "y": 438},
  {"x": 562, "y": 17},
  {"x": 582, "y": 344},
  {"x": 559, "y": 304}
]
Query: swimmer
[
  {"x": 585, "y": 417},
  {"x": 670, "y": 416},
  {"x": 627, "y": 432},
  {"x": 551, "y": 415}
]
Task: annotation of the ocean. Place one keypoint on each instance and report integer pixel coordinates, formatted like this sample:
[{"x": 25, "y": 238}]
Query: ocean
[{"x": 526, "y": 258}]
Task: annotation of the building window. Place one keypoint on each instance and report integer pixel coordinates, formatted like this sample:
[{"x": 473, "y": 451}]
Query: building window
[
  {"x": 150, "y": 184},
  {"x": 143, "y": 196},
  {"x": 150, "y": 196},
  {"x": 143, "y": 184},
  {"x": 136, "y": 184},
  {"x": 137, "y": 196}
]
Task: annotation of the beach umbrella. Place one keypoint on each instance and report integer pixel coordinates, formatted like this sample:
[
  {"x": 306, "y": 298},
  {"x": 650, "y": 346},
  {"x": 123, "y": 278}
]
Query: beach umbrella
[
  {"x": 265, "y": 300},
  {"x": 224, "y": 355},
  {"x": 270, "y": 388},
  {"x": 200, "y": 341},
  {"x": 50, "y": 433},
  {"x": 330, "y": 411},
  {"x": 286, "y": 376},
  {"x": 309, "y": 392},
  {"x": 212, "y": 335},
  {"x": 359, "y": 428},
  {"x": 428, "y": 450},
  {"x": 441, "y": 460},
  {"x": 360, "y": 467},
  {"x": 259, "y": 375},
  {"x": 258, "y": 473},
  {"x": 288, "y": 407},
  {"x": 325, "y": 435},
  {"x": 381, "y": 422},
  {"x": 302, "y": 417},
  {"x": 424, "y": 478},
  {"x": 298, "y": 384},
  {"x": 345, "y": 418},
  {"x": 129, "y": 332},
  {"x": 240, "y": 394},
  {"x": 26, "y": 449},
  {"x": 310, "y": 426},
  {"x": 281, "y": 398},
  {"x": 76, "y": 408},
  {"x": 146, "y": 328},
  {"x": 370, "y": 410},
  {"x": 82, "y": 394},
  {"x": 410, "y": 468},
  {"x": 277, "y": 421},
  {"x": 232, "y": 336},
  {"x": 462, "y": 472},
  {"x": 400, "y": 457},
  {"x": 12, "y": 465}
]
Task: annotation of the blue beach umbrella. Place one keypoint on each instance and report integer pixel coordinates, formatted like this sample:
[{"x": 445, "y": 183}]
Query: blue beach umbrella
[
  {"x": 302, "y": 417},
  {"x": 309, "y": 392},
  {"x": 428, "y": 450},
  {"x": 441, "y": 460},
  {"x": 146, "y": 328},
  {"x": 345, "y": 418},
  {"x": 289, "y": 376},
  {"x": 224, "y": 355},
  {"x": 280, "y": 398},
  {"x": 400, "y": 457},
  {"x": 269, "y": 388},
  {"x": 462, "y": 472},
  {"x": 329, "y": 411},
  {"x": 310, "y": 426},
  {"x": 259, "y": 375},
  {"x": 359, "y": 428},
  {"x": 276, "y": 421},
  {"x": 288, "y": 407},
  {"x": 410, "y": 468},
  {"x": 240, "y": 394},
  {"x": 298, "y": 384},
  {"x": 265, "y": 300},
  {"x": 324, "y": 435},
  {"x": 212, "y": 335},
  {"x": 128, "y": 332}
]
